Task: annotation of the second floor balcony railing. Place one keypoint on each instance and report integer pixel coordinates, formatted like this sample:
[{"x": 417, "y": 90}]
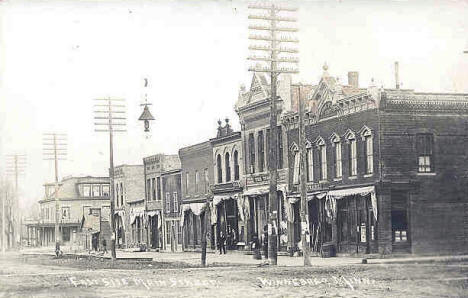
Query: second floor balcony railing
[{"x": 61, "y": 221}]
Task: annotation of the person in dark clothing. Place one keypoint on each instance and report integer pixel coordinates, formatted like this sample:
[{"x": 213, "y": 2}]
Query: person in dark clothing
[
  {"x": 104, "y": 245},
  {"x": 222, "y": 243},
  {"x": 58, "y": 252},
  {"x": 94, "y": 242},
  {"x": 256, "y": 247},
  {"x": 265, "y": 241}
]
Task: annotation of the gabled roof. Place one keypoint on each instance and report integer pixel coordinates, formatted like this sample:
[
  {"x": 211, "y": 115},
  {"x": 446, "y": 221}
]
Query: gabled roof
[{"x": 259, "y": 90}]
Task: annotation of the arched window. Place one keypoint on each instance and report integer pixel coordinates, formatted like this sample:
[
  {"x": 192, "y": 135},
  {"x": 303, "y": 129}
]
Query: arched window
[
  {"x": 335, "y": 140},
  {"x": 228, "y": 167},
  {"x": 219, "y": 167},
  {"x": 352, "y": 153},
  {"x": 236, "y": 165},
  {"x": 252, "y": 153},
  {"x": 323, "y": 159},
  {"x": 310, "y": 164},
  {"x": 297, "y": 163},
  {"x": 261, "y": 151},
  {"x": 367, "y": 138}
]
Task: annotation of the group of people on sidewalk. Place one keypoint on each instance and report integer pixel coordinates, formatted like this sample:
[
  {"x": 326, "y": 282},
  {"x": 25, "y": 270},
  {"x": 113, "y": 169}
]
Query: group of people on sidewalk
[
  {"x": 95, "y": 241},
  {"x": 255, "y": 242}
]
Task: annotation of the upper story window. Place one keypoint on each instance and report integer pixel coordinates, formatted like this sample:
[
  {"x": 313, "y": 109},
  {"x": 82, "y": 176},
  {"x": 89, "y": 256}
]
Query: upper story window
[
  {"x": 153, "y": 188},
  {"x": 176, "y": 202},
  {"x": 86, "y": 190},
  {"x": 267, "y": 148},
  {"x": 369, "y": 150},
  {"x": 337, "y": 156},
  {"x": 228, "y": 167},
  {"x": 279, "y": 131},
  {"x": 297, "y": 164},
  {"x": 116, "y": 194},
  {"x": 425, "y": 150},
  {"x": 168, "y": 202},
  {"x": 159, "y": 190},
  {"x": 148, "y": 189},
  {"x": 65, "y": 212},
  {"x": 236, "y": 165},
  {"x": 105, "y": 190},
  {"x": 310, "y": 164},
  {"x": 96, "y": 190},
  {"x": 219, "y": 168},
  {"x": 121, "y": 194},
  {"x": 323, "y": 159},
  {"x": 186, "y": 182},
  {"x": 261, "y": 151},
  {"x": 352, "y": 153},
  {"x": 252, "y": 153},
  {"x": 197, "y": 181},
  {"x": 207, "y": 180}
]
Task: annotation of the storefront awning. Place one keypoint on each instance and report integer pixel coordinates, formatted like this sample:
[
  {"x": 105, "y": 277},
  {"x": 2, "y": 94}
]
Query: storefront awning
[
  {"x": 316, "y": 195},
  {"x": 362, "y": 191},
  {"x": 219, "y": 198},
  {"x": 120, "y": 213},
  {"x": 262, "y": 190},
  {"x": 136, "y": 212},
  {"x": 196, "y": 208}
]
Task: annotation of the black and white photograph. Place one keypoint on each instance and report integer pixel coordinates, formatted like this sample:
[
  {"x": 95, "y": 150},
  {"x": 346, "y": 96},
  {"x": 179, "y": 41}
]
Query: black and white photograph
[{"x": 234, "y": 148}]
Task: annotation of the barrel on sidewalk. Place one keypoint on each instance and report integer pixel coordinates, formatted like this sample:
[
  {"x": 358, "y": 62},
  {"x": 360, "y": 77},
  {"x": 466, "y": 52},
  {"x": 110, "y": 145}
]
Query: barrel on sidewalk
[
  {"x": 257, "y": 255},
  {"x": 328, "y": 250}
]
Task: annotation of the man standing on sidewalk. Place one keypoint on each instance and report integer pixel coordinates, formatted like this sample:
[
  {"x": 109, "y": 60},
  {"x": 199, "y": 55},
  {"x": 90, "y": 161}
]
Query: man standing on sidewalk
[
  {"x": 265, "y": 242},
  {"x": 104, "y": 245},
  {"x": 222, "y": 243}
]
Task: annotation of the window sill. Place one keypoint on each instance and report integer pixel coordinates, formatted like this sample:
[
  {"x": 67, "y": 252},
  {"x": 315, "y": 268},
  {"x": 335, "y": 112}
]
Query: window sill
[
  {"x": 352, "y": 177},
  {"x": 368, "y": 175},
  {"x": 338, "y": 179},
  {"x": 426, "y": 174},
  {"x": 323, "y": 181}
]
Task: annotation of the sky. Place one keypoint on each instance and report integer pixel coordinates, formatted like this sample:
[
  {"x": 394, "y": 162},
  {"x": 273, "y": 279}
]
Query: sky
[{"x": 57, "y": 56}]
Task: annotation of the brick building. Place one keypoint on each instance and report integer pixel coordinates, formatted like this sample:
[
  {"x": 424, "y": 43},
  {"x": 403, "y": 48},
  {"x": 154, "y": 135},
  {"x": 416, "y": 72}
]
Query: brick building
[
  {"x": 253, "y": 108},
  {"x": 228, "y": 203},
  {"x": 172, "y": 230},
  {"x": 197, "y": 179},
  {"x": 128, "y": 199},
  {"x": 154, "y": 166},
  {"x": 78, "y": 196},
  {"x": 386, "y": 168}
]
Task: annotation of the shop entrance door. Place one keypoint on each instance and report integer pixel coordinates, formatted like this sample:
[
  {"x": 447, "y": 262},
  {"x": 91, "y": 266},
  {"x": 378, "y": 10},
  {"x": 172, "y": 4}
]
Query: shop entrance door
[
  {"x": 154, "y": 232},
  {"x": 401, "y": 240}
]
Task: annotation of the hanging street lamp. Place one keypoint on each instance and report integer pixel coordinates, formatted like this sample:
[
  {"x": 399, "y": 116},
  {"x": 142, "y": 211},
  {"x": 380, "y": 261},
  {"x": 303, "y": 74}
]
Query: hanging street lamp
[{"x": 146, "y": 116}]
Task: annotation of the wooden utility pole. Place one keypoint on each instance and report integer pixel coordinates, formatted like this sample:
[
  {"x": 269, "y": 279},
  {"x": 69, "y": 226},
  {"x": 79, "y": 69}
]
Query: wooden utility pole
[
  {"x": 54, "y": 148},
  {"x": 271, "y": 45},
  {"x": 303, "y": 167},
  {"x": 107, "y": 116}
]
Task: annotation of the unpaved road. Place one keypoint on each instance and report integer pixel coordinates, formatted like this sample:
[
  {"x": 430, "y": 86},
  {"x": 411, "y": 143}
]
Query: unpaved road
[{"x": 44, "y": 277}]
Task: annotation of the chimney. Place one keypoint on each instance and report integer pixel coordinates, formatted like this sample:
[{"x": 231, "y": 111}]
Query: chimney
[
  {"x": 397, "y": 75},
  {"x": 353, "y": 79}
]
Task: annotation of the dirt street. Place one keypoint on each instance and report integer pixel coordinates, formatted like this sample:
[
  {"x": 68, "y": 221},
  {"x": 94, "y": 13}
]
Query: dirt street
[{"x": 42, "y": 276}]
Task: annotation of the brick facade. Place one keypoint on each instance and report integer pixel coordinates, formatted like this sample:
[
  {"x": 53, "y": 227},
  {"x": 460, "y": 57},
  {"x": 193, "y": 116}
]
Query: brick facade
[
  {"x": 197, "y": 180},
  {"x": 172, "y": 193},
  {"x": 129, "y": 190},
  {"x": 418, "y": 212}
]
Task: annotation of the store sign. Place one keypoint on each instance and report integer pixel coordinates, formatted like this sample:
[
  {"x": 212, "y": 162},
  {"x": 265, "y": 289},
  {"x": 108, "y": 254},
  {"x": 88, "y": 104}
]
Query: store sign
[{"x": 363, "y": 233}]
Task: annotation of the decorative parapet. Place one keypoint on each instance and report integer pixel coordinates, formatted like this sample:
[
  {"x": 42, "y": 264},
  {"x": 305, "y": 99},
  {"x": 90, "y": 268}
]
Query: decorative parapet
[{"x": 426, "y": 102}]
